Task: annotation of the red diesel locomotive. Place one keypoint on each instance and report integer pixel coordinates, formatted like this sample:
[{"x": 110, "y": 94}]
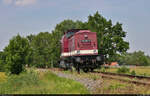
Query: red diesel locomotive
[{"x": 79, "y": 49}]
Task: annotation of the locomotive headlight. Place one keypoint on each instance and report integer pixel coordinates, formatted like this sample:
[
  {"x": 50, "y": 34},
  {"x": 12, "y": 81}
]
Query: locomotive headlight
[
  {"x": 78, "y": 52},
  {"x": 98, "y": 58},
  {"x": 78, "y": 59}
]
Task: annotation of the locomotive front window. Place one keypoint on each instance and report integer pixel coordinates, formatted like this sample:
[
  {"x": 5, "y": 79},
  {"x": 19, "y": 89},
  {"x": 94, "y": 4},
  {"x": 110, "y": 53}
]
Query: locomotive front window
[
  {"x": 69, "y": 34},
  {"x": 85, "y": 41}
]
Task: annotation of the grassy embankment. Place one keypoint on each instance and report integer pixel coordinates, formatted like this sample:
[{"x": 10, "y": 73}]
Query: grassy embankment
[{"x": 39, "y": 83}]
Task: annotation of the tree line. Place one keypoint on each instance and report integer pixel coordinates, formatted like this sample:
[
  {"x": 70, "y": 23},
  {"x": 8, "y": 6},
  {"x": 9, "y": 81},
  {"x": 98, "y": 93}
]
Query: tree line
[
  {"x": 137, "y": 58},
  {"x": 43, "y": 50}
]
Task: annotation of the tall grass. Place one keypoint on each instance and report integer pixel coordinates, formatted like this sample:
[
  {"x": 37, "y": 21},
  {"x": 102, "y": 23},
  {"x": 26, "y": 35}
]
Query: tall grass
[
  {"x": 17, "y": 82},
  {"x": 40, "y": 83}
]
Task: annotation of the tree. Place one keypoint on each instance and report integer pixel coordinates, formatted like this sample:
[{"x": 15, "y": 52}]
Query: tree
[
  {"x": 16, "y": 53},
  {"x": 40, "y": 49},
  {"x": 136, "y": 58},
  {"x": 2, "y": 61},
  {"x": 110, "y": 37}
]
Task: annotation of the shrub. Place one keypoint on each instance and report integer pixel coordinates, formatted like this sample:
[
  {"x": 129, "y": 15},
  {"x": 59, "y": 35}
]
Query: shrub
[
  {"x": 123, "y": 70},
  {"x": 144, "y": 74},
  {"x": 133, "y": 73},
  {"x": 103, "y": 69},
  {"x": 16, "y": 53}
]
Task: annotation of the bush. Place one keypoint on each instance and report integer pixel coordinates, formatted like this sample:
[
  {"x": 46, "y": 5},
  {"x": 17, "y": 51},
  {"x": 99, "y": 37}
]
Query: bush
[
  {"x": 133, "y": 73},
  {"x": 144, "y": 74},
  {"x": 123, "y": 70},
  {"x": 103, "y": 69},
  {"x": 16, "y": 53}
]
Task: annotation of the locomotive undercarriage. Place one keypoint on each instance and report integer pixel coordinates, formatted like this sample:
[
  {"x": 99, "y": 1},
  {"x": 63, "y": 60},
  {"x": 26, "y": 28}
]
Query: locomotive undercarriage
[{"x": 85, "y": 63}]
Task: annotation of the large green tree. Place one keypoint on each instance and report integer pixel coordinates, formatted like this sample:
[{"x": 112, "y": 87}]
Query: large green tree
[
  {"x": 40, "y": 49},
  {"x": 16, "y": 53},
  {"x": 110, "y": 37}
]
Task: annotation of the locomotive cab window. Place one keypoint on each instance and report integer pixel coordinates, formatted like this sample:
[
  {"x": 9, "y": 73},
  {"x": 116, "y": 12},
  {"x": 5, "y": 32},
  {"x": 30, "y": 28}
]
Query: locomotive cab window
[
  {"x": 85, "y": 41},
  {"x": 69, "y": 34}
]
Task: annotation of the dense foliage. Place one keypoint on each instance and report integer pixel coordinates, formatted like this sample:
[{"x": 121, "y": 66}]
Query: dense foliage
[
  {"x": 123, "y": 70},
  {"x": 40, "y": 50},
  {"x": 110, "y": 37},
  {"x": 16, "y": 53},
  {"x": 136, "y": 58},
  {"x": 2, "y": 61}
]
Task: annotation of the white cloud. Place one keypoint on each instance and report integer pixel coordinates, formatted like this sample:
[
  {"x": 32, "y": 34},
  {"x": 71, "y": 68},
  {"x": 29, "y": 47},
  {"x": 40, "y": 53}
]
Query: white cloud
[
  {"x": 7, "y": 1},
  {"x": 24, "y": 2},
  {"x": 20, "y": 2}
]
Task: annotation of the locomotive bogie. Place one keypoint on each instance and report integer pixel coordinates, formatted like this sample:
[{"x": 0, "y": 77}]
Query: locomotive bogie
[{"x": 86, "y": 63}]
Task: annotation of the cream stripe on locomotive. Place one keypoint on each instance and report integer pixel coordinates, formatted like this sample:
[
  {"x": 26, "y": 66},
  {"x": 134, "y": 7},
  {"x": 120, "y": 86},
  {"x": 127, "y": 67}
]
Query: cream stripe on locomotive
[
  {"x": 76, "y": 52},
  {"x": 65, "y": 54}
]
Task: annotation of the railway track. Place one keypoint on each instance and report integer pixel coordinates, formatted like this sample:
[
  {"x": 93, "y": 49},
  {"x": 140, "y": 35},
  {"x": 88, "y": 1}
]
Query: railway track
[
  {"x": 142, "y": 80},
  {"x": 126, "y": 78},
  {"x": 127, "y": 75}
]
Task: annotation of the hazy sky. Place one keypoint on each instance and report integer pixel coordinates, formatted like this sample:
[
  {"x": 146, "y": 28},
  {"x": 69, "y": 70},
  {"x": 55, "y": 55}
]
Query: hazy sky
[{"x": 33, "y": 16}]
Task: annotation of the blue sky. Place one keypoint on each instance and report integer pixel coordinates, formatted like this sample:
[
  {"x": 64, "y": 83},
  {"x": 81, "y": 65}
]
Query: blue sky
[{"x": 33, "y": 16}]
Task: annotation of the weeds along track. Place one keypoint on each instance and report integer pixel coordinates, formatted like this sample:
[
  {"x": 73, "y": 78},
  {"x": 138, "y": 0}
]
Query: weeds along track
[
  {"x": 48, "y": 69},
  {"x": 56, "y": 69},
  {"x": 127, "y": 75},
  {"x": 139, "y": 80},
  {"x": 126, "y": 78}
]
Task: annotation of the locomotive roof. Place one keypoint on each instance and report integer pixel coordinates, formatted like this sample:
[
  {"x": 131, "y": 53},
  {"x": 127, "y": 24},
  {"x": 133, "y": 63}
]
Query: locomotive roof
[
  {"x": 71, "y": 32},
  {"x": 75, "y": 30}
]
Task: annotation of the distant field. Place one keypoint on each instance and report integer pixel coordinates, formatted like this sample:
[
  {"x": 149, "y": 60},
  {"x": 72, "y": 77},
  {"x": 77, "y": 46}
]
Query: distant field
[
  {"x": 138, "y": 70},
  {"x": 40, "y": 83}
]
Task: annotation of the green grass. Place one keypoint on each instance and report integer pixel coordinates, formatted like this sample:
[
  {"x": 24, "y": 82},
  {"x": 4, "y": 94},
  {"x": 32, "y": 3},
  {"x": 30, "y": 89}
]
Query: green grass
[
  {"x": 40, "y": 83},
  {"x": 117, "y": 87},
  {"x": 145, "y": 71}
]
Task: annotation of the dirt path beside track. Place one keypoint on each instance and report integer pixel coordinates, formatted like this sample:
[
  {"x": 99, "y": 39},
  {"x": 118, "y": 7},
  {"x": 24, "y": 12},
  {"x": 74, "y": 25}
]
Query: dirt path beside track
[{"x": 90, "y": 84}]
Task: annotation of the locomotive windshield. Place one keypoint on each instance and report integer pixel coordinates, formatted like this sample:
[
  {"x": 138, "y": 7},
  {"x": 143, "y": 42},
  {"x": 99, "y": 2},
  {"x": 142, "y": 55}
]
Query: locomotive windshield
[
  {"x": 69, "y": 34},
  {"x": 85, "y": 41}
]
